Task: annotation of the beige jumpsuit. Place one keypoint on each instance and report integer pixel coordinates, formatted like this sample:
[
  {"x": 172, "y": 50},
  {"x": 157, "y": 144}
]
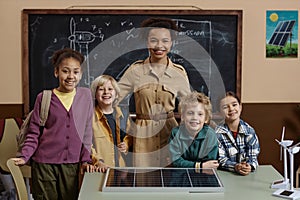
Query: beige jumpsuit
[{"x": 154, "y": 104}]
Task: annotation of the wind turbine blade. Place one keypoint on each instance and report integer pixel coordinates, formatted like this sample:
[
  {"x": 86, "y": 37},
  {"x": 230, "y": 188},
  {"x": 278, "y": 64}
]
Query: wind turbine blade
[
  {"x": 282, "y": 137},
  {"x": 295, "y": 145},
  {"x": 282, "y": 134},
  {"x": 72, "y": 26}
]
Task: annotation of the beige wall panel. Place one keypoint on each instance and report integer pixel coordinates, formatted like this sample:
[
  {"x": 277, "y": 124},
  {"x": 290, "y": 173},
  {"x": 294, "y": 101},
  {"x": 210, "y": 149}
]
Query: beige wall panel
[{"x": 263, "y": 80}]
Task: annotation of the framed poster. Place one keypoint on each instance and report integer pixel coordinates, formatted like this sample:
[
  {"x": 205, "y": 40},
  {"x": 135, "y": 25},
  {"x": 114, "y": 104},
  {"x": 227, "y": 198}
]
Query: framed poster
[{"x": 282, "y": 34}]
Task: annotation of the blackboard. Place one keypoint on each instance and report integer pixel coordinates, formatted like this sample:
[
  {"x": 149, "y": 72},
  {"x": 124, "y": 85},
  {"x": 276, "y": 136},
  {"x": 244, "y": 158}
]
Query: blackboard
[{"x": 208, "y": 45}]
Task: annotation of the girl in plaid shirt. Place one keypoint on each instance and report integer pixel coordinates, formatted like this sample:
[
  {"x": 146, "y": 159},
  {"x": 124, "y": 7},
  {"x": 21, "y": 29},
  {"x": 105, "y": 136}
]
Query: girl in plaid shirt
[{"x": 238, "y": 142}]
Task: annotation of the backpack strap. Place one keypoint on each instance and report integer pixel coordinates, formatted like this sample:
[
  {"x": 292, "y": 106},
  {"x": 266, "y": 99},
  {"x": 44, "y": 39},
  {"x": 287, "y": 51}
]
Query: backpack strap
[{"x": 46, "y": 99}]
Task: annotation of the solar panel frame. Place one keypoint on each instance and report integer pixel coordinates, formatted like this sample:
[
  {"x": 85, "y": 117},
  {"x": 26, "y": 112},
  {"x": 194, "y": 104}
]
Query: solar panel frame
[{"x": 188, "y": 180}]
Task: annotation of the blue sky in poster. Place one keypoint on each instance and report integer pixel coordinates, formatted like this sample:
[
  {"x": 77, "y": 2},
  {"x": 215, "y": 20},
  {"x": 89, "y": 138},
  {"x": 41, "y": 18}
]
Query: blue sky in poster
[{"x": 276, "y": 17}]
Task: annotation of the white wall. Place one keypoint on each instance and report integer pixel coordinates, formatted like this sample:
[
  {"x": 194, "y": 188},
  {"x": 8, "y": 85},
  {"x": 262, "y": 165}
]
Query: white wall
[{"x": 263, "y": 80}]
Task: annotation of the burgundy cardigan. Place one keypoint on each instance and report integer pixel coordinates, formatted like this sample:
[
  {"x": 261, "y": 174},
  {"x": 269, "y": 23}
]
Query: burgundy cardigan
[{"x": 67, "y": 136}]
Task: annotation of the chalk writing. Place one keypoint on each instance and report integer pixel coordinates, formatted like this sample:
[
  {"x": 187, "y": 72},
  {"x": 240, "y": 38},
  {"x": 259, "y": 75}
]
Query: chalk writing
[{"x": 112, "y": 42}]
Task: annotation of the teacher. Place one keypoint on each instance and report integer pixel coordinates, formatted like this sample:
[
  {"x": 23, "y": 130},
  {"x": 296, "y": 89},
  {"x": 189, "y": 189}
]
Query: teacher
[{"x": 156, "y": 82}]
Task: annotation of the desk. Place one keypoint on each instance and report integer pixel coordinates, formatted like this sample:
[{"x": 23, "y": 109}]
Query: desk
[{"x": 254, "y": 186}]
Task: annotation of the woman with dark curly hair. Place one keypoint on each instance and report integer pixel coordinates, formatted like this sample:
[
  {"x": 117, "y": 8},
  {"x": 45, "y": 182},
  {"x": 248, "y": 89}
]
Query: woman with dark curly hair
[{"x": 156, "y": 82}]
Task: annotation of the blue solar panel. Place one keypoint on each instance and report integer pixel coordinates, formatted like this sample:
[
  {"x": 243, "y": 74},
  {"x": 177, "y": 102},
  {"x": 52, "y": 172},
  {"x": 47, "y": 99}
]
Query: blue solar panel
[
  {"x": 281, "y": 33},
  {"x": 162, "y": 179},
  {"x": 284, "y": 39},
  {"x": 283, "y": 27},
  {"x": 291, "y": 25},
  {"x": 278, "y": 26}
]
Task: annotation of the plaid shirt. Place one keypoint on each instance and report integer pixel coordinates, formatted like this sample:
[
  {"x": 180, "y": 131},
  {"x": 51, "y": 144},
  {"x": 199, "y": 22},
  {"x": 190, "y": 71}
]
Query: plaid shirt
[{"x": 244, "y": 148}]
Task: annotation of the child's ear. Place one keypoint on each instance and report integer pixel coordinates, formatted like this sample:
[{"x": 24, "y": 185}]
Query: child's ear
[
  {"x": 206, "y": 120},
  {"x": 181, "y": 119},
  {"x": 55, "y": 73}
]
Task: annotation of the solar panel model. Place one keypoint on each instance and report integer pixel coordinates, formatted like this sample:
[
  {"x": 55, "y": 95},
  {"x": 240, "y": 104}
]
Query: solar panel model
[
  {"x": 162, "y": 180},
  {"x": 281, "y": 33}
]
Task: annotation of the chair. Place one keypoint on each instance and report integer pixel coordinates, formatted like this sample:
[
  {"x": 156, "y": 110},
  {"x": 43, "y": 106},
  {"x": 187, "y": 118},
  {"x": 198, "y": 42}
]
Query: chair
[
  {"x": 8, "y": 145},
  {"x": 18, "y": 179},
  {"x": 9, "y": 129}
]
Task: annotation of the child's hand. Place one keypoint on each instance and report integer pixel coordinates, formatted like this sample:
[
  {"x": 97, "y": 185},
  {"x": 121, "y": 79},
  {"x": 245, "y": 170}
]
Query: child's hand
[
  {"x": 89, "y": 168},
  {"x": 123, "y": 147},
  {"x": 211, "y": 164},
  {"x": 19, "y": 161},
  {"x": 243, "y": 168},
  {"x": 100, "y": 166}
]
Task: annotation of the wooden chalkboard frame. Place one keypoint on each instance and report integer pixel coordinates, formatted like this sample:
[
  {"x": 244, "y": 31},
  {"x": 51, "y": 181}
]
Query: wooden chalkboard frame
[{"x": 26, "y": 31}]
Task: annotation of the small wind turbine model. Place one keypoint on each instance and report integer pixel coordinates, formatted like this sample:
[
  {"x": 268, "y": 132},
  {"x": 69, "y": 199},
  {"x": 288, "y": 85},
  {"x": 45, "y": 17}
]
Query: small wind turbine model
[
  {"x": 284, "y": 192},
  {"x": 283, "y": 183}
]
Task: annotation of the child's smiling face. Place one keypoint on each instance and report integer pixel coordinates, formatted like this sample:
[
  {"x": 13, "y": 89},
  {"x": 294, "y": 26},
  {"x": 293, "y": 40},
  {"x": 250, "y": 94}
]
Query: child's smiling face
[
  {"x": 230, "y": 108},
  {"x": 69, "y": 74},
  {"x": 194, "y": 118},
  {"x": 106, "y": 94}
]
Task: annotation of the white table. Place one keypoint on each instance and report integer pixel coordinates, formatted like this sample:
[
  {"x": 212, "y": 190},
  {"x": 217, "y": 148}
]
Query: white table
[{"x": 255, "y": 186}]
